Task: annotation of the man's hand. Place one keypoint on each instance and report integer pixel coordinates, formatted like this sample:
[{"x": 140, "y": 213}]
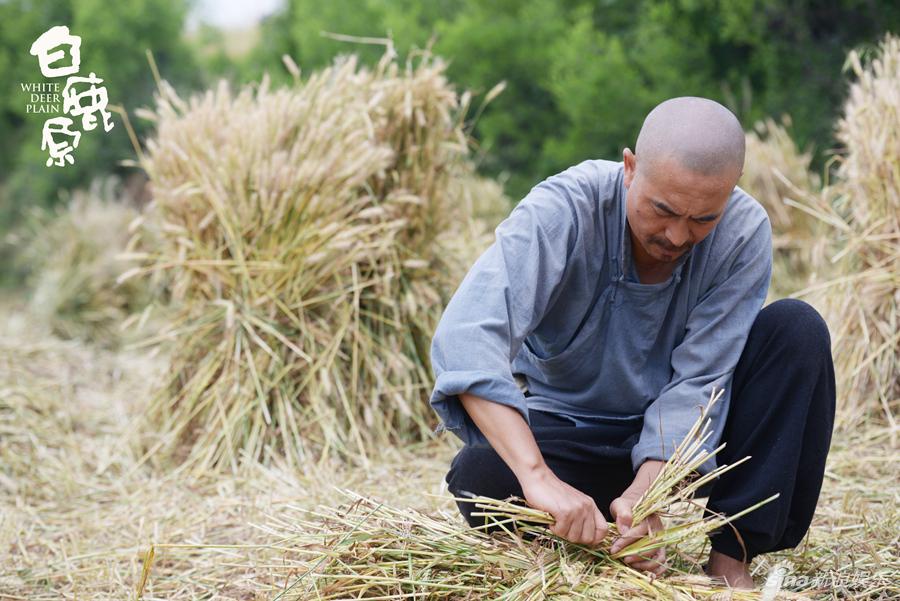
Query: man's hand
[
  {"x": 621, "y": 510},
  {"x": 577, "y": 517}
]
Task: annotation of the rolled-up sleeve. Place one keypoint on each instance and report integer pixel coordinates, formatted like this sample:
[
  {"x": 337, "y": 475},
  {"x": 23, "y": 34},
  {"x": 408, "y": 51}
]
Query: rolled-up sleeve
[
  {"x": 500, "y": 301},
  {"x": 715, "y": 335}
]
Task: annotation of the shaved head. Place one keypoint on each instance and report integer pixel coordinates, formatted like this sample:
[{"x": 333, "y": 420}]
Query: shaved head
[
  {"x": 687, "y": 161},
  {"x": 699, "y": 134}
]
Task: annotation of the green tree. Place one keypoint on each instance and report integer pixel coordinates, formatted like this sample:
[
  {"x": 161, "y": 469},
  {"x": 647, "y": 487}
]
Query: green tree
[
  {"x": 582, "y": 74},
  {"x": 770, "y": 57},
  {"x": 513, "y": 42}
]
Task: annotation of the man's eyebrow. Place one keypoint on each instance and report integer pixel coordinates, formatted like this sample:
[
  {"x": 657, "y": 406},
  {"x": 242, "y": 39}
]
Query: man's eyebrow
[{"x": 662, "y": 206}]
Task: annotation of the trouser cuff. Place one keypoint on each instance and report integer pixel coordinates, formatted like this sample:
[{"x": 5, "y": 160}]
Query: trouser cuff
[{"x": 726, "y": 542}]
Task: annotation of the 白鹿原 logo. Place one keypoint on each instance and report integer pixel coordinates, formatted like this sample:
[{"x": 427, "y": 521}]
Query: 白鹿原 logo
[{"x": 59, "y": 55}]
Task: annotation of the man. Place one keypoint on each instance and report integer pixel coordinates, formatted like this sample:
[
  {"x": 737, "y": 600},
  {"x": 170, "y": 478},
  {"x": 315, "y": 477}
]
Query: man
[{"x": 578, "y": 349}]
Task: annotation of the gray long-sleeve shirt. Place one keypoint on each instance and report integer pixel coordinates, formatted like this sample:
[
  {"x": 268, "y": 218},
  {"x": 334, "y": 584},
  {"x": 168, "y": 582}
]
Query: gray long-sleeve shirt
[{"x": 555, "y": 300}]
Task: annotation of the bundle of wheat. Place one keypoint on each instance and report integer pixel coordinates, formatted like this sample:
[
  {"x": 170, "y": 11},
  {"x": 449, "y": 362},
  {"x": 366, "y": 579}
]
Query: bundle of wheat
[
  {"x": 861, "y": 300},
  {"x": 311, "y": 237},
  {"x": 774, "y": 167},
  {"x": 70, "y": 256}
]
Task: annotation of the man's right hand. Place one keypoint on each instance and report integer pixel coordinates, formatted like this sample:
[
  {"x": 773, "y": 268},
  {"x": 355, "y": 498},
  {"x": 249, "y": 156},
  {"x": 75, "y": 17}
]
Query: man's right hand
[{"x": 577, "y": 518}]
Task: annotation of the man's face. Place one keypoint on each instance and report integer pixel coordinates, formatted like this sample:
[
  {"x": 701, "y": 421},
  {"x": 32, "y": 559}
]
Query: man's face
[{"x": 671, "y": 208}]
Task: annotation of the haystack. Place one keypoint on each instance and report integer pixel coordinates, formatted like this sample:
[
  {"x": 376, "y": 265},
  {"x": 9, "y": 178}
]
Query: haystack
[
  {"x": 312, "y": 237},
  {"x": 773, "y": 169},
  {"x": 70, "y": 256},
  {"x": 861, "y": 300}
]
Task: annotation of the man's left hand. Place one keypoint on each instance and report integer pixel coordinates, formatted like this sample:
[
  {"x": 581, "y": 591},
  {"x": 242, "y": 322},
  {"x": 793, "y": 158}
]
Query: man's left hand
[{"x": 621, "y": 509}]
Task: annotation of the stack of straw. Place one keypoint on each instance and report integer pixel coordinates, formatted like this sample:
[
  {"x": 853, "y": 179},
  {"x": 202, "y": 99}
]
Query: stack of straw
[
  {"x": 861, "y": 301},
  {"x": 774, "y": 166},
  {"x": 771, "y": 158},
  {"x": 70, "y": 256},
  {"x": 311, "y": 238}
]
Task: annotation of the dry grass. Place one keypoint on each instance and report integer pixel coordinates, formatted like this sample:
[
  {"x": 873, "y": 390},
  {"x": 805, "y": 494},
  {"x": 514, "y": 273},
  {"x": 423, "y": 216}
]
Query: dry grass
[
  {"x": 77, "y": 509},
  {"x": 771, "y": 157},
  {"x": 78, "y": 513},
  {"x": 70, "y": 256},
  {"x": 773, "y": 167},
  {"x": 861, "y": 296},
  {"x": 311, "y": 235},
  {"x": 378, "y": 550}
]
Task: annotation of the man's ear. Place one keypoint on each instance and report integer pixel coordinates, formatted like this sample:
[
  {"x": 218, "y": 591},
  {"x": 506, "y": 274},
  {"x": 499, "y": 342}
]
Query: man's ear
[{"x": 630, "y": 162}]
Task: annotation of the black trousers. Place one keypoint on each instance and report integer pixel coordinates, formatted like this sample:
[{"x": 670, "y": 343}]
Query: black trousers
[{"x": 781, "y": 414}]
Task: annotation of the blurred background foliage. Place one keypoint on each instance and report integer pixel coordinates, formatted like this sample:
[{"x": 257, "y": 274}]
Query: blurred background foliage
[{"x": 580, "y": 75}]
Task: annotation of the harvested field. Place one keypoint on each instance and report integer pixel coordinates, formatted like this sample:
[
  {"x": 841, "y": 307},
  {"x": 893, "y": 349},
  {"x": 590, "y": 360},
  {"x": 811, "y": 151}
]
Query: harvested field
[
  {"x": 79, "y": 512},
  {"x": 182, "y": 472}
]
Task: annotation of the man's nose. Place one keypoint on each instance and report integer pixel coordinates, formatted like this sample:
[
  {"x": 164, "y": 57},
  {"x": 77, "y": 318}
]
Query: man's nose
[{"x": 678, "y": 234}]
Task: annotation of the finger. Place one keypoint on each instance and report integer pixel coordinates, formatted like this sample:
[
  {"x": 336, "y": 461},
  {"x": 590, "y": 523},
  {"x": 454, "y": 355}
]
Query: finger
[
  {"x": 618, "y": 508},
  {"x": 618, "y": 544},
  {"x": 647, "y": 562},
  {"x": 623, "y": 519},
  {"x": 645, "y": 566},
  {"x": 633, "y": 532},
  {"x": 629, "y": 536},
  {"x": 614, "y": 508},
  {"x": 600, "y": 527},
  {"x": 650, "y": 555},
  {"x": 576, "y": 525},
  {"x": 638, "y": 557},
  {"x": 561, "y": 527},
  {"x": 587, "y": 529},
  {"x": 566, "y": 526},
  {"x": 660, "y": 570},
  {"x": 661, "y": 560}
]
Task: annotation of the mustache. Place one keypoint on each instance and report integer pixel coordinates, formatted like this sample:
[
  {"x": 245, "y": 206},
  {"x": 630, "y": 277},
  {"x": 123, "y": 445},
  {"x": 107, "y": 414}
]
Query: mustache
[{"x": 669, "y": 247}]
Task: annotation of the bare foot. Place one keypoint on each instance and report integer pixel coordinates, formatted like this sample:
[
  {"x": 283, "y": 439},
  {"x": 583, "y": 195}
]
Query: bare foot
[{"x": 734, "y": 572}]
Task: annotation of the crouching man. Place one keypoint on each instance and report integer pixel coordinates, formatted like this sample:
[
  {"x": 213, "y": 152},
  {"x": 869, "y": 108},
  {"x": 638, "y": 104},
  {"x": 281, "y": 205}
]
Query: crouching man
[{"x": 575, "y": 354}]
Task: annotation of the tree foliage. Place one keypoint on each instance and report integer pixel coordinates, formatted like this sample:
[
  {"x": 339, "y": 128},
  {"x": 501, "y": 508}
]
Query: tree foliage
[{"x": 581, "y": 75}]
